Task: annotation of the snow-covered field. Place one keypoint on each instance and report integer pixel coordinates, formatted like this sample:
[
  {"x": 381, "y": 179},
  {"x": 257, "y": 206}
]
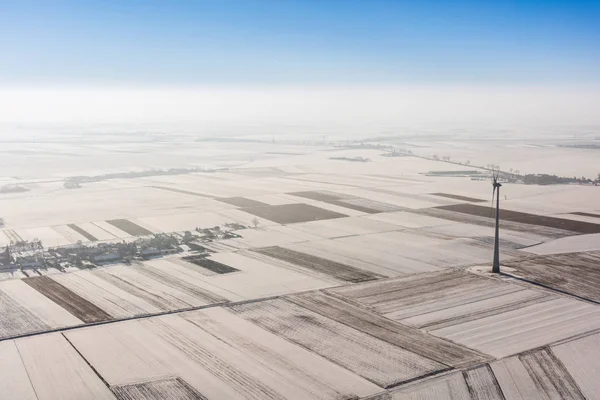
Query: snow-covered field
[{"x": 315, "y": 227}]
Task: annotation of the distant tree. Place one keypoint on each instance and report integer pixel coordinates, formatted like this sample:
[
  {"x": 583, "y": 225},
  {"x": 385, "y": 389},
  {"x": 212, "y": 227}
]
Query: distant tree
[
  {"x": 255, "y": 222},
  {"x": 467, "y": 162},
  {"x": 2, "y": 219},
  {"x": 511, "y": 170},
  {"x": 598, "y": 178},
  {"x": 435, "y": 157},
  {"x": 517, "y": 171}
]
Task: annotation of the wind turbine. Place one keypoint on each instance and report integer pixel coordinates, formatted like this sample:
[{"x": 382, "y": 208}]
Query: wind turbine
[{"x": 496, "y": 191}]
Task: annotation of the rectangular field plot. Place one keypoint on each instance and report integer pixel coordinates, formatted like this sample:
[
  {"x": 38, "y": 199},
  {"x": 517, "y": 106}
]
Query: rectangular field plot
[
  {"x": 525, "y": 218},
  {"x": 292, "y": 213},
  {"x": 459, "y": 197},
  {"x": 334, "y": 269},
  {"x": 113, "y": 300},
  {"x": 270, "y": 236},
  {"x": 131, "y": 228},
  {"x": 363, "y": 257},
  {"x": 171, "y": 388},
  {"x": 263, "y": 276},
  {"x": 509, "y": 332},
  {"x": 16, "y": 319},
  {"x": 427, "y": 300},
  {"x": 482, "y": 383},
  {"x": 181, "y": 191},
  {"x": 14, "y": 382},
  {"x": 49, "y": 236},
  {"x": 374, "y": 359},
  {"x": 242, "y": 362},
  {"x": 57, "y": 371},
  {"x": 486, "y": 221},
  {"x": 313, "y": 373},
  {"x": 401, "y": 201},
  {"x": 241, "y": 202},
  {"x": 406, "y": 219},
  {"x": 235, "y": 368},
  {"x": 347, "y": 201},
  {"x": 535, "y": 375},
  {"x": 112, "y": 230},
  {"x": 493, "y": 317},
  {"x": 210, "y": 265},
  {"x": 72, "y": 235},
  {"x": 450, "y": 387},
  {"x": 427, "y": 248},
  {"x": 162, "y": 271},
  {"x": 83, "y": 232},
  {"x": 346, "y": 226},
  {"x": 39, "y": 305},
  {"x": 576, "y": 273},
  {"x": 166, "y": 295},
  {"x": 70, "y": 301},
  {"x": 580, "y": 357},
  {"x": 96, "y": 231},
  {"x": 402, "y": 336},
  {"x": 531, "y": 375},
  {"x": 12, "y": 235}
]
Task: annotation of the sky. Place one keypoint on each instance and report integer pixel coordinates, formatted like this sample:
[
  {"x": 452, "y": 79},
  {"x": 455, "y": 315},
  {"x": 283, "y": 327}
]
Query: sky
[{"x": 81, "y": 49}]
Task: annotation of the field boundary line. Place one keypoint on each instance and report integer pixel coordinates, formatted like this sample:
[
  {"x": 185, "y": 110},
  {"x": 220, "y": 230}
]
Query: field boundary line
[{"x": 86, "y": 361}]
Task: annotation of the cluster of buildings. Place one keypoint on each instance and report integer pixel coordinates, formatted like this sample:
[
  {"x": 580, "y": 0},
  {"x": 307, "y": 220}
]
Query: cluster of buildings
[{"x": 32, "y": 255}]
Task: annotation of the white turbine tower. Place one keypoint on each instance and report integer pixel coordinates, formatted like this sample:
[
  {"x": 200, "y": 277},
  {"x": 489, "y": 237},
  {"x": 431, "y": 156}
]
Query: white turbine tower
[{"x": 496, "y": 191}]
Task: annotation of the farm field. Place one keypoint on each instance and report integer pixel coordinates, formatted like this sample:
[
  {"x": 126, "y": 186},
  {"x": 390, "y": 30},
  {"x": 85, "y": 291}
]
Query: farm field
[
  {"x": 573, "y": 273},
  {"x": 342, "y": 280},
  {"x": 496, "y": 318}
]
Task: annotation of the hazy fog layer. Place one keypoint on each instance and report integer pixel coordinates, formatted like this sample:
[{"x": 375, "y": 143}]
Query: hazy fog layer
[{"x": 356, "y": 107}]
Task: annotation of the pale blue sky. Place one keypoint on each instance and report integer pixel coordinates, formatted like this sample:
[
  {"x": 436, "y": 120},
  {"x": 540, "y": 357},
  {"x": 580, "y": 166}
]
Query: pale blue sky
[{"x": 257, "y": 42}]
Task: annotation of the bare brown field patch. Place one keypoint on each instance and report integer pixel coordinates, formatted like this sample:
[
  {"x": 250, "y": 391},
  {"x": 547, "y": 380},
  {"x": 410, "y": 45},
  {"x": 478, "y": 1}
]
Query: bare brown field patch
[
  {"x": 83, "y": 233},
  {"x": 586, "y": 214},
  {"x": 241, "y": 202},
  {"x": 210, "y": 265},
  {"x": 292, "y": 213},
  {"x": 525, "y": 218},
  {"x": 486, "y": 221},
  {"x": 181, "y": 191},
  {"x": 458, "y": 197},
  {"x": 131, "y": 228},
  {"x": 323, "y": 195},
  {"x": 352, "y": 202},
  {"x": 70, "y": 301},
  {"x": 170, "y": 388},
  {"x": 334, "y": 269}
]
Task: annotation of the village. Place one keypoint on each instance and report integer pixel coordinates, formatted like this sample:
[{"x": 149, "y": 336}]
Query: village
[{"x": 30, "y": 256}]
